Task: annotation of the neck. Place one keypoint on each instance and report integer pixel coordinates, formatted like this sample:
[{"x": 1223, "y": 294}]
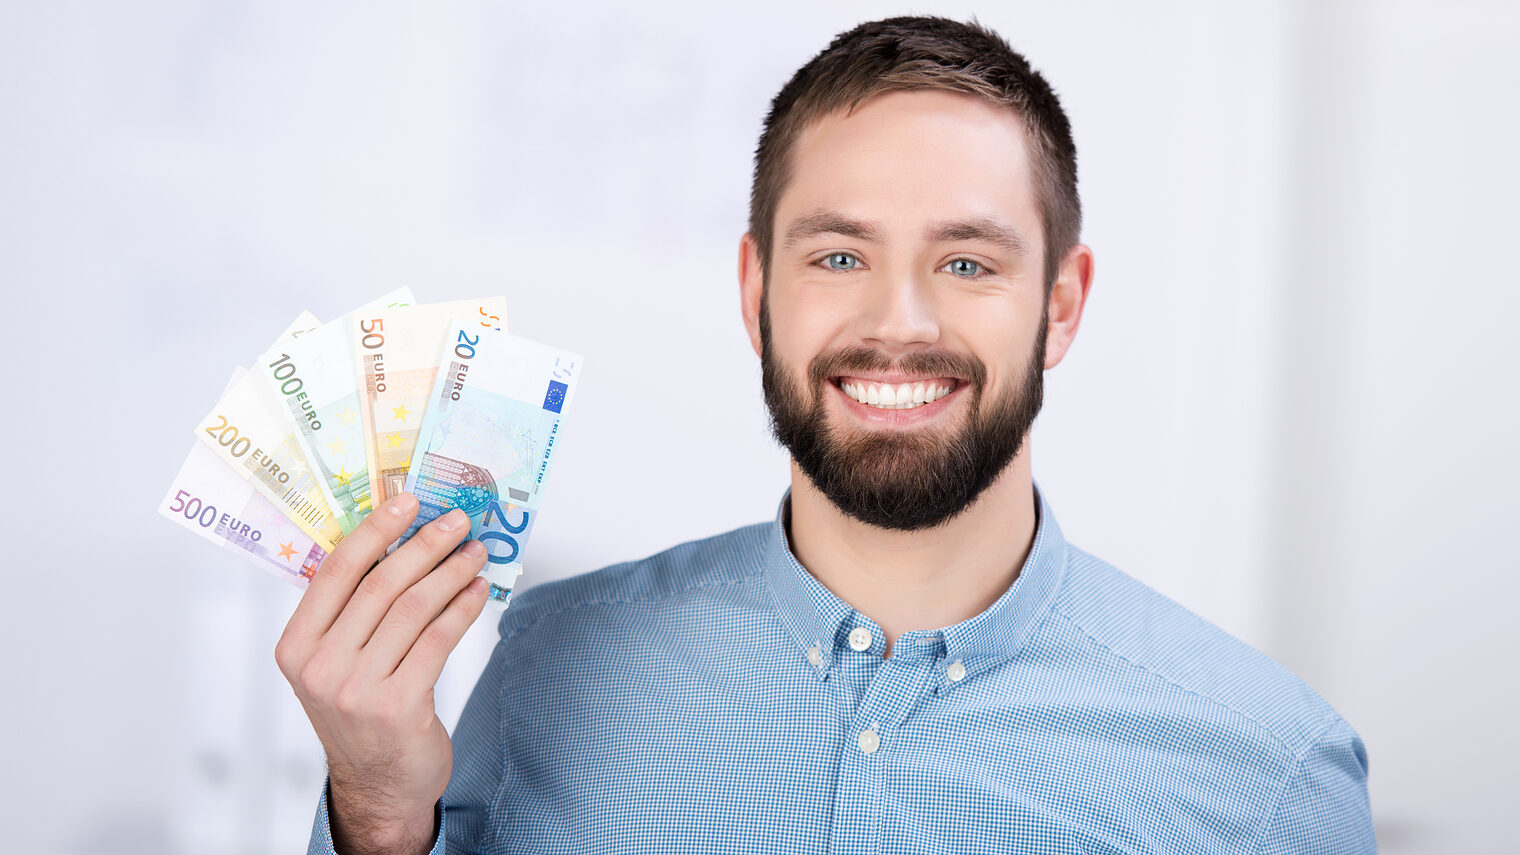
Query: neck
[{"x": 920, "y": 579}]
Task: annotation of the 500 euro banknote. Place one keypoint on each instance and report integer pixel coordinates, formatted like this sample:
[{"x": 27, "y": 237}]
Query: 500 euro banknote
[
  {"x": 488, "y": 440},
  {"x": 212, "y": 499}
]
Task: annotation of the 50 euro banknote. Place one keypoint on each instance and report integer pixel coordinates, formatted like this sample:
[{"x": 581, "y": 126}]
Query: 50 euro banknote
[
  {"x": 488, "y": 440},
  {"x": 396, "y": 353}
]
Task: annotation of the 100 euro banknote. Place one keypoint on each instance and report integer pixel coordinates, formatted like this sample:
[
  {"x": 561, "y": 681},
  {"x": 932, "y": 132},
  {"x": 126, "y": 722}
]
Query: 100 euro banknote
[
  {"x": 488, "y": 440},
  {"x": 396, "y": 351},
  {"x": 313, "y": 375}
]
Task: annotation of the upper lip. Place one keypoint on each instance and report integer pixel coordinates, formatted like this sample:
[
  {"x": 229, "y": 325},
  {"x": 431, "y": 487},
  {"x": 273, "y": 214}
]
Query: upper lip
[{"x": 895, "y": 379}]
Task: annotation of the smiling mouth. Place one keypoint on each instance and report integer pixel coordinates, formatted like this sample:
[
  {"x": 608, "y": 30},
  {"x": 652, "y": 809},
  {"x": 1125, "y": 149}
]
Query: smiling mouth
[{"x": 896, "y": 396}]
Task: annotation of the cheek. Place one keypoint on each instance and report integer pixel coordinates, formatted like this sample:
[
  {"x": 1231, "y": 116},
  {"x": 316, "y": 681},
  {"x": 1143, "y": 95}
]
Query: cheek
[
  {"x": 802, "y": 329},
  {"x": 1001, "y": 334}
]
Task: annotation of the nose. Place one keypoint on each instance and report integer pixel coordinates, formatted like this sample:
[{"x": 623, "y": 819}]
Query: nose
[{"x": 899, "y": 313}]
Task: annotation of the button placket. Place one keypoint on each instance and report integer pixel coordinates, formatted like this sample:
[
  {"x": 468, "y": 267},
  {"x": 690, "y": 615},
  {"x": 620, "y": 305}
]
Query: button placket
[{"x": 895, "y": 688}]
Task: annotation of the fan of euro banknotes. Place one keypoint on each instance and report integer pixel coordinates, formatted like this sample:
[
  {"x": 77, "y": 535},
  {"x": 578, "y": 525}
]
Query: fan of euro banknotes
[{"x": 438, "y": 400}]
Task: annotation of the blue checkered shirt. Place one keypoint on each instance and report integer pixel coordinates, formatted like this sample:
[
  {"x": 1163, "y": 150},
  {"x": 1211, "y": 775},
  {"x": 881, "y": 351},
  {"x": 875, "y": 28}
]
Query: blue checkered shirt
[{"x": 717, "y": 698}]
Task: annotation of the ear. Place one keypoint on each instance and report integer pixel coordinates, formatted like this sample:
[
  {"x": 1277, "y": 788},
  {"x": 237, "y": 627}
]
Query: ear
[
  {"x": 751, "y": 287},
  {"x": 1067, "y": 298}
]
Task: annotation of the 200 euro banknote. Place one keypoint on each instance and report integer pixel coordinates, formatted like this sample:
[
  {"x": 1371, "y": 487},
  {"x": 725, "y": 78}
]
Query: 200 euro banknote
[
  {"x": 488, "y": 440},
  {"x": 248, "y": 431}
]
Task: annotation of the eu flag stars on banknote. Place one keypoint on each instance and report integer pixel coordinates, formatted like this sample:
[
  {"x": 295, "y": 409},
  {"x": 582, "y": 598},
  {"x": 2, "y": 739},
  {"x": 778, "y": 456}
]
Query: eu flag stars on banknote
[{"x": 332, "y": 419}]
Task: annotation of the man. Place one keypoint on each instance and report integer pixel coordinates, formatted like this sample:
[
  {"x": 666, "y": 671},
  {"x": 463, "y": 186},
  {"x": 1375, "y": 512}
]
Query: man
[{"x": 910, "y": 657}]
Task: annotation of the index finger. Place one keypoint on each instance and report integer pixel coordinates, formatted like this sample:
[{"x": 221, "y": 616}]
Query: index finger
[{"x": 341, "y": 572}]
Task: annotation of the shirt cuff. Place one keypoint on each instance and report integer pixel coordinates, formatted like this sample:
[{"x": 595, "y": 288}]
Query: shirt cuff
[{"x": 321, "y": 830}]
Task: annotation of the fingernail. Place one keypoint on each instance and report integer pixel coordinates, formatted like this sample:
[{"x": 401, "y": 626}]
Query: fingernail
[
  {"x": 479, "y": 584},
  {"x": 473, "y": 548},
  {"x": 401, "y": 504},
  {"x": 453, "y": 520}
]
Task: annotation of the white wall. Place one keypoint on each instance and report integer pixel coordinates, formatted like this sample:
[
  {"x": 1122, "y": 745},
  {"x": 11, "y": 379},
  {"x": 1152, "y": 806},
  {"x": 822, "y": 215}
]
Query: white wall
[{"x": 1288, "y": 408}]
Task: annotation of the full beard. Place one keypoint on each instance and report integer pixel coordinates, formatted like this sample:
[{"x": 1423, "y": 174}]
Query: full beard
[{"x": 906, "y": 480}]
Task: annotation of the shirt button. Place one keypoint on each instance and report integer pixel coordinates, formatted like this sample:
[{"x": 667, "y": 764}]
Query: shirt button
[
  {"x": 869, "y": 741},
  {"x": 956, "y": 670},
  {"x": 814, "y": 656},
  {"x": 860, "y": 638}
]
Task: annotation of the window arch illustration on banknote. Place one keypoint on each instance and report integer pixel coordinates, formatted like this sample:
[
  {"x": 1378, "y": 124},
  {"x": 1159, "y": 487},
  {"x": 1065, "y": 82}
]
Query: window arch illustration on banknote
[{"x": 444, "y": 483}]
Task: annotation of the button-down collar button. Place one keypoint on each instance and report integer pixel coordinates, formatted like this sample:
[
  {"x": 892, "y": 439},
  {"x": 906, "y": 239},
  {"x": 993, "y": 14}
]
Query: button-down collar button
[
  {"x": 814, "y": 656},
  {"x": 869, "y": 741},
  {"x": 860, "y": 638},
  {"x": 956, "y": 670}
]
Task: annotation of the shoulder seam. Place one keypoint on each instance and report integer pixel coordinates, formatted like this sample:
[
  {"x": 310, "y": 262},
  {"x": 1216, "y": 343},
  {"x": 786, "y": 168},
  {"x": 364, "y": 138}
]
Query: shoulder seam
[
  {"x": 624, "y": 601},
  {"x": 1329, "y": 721},
  {"x": 1055, "y": 607}
]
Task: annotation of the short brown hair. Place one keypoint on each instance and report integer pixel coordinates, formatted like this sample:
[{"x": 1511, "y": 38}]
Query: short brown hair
[{"x": 923, "y": 53}]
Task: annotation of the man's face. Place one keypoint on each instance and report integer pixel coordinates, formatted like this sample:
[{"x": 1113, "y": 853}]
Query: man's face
[{"x": 903, "y": 319}]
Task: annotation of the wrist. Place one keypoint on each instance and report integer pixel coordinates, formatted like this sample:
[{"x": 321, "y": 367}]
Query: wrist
[{"x": 364, "y": 825}]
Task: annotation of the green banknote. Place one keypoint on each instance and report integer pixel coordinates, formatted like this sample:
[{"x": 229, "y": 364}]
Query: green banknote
[{"x": 313, "y": 375}]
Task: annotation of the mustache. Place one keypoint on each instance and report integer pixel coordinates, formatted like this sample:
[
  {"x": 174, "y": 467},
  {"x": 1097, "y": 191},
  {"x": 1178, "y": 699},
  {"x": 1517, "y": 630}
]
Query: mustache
[{"x": 864, "y": 360}]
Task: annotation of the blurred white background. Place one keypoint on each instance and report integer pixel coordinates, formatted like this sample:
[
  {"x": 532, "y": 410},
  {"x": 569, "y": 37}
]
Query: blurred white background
[{"x": 1290, "y": 406}]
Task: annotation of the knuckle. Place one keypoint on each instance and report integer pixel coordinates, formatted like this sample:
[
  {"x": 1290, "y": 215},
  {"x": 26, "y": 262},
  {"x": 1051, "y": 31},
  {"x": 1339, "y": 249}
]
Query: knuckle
[
  {"x": 435, "y": 637},
  {"x": 337, "y": 565},
  {"x": 378, "y": 585},
  {"x": 349, "y": 699},
  {"x": 287, "y": 657},
  {"x": 412, "y": 607},
  {"x": 314, "y": 680}
]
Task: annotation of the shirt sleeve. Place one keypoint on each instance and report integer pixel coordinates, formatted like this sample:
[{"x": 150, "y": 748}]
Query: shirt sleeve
[
  {"x": 474, "y": 806},
  {"x": 1324, "y": 807}
]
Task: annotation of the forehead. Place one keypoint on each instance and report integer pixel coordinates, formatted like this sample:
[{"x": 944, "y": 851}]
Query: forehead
[{"x": 908, "y": 158}]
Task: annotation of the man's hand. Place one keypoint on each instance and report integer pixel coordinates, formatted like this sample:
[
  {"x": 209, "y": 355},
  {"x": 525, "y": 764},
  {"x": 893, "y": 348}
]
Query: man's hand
[{"x": 363, "y": 653}]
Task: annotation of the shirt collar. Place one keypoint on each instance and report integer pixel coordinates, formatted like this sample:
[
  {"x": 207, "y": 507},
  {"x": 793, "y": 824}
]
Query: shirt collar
[{"x": 815, "y": 617}]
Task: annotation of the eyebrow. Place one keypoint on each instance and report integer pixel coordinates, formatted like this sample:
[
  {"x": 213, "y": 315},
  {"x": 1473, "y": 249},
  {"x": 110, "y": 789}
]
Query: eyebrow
[
  {"x": 828, "y": 222},
  {"x": 985, "y": 229},
  {"x": 981, "y": 228}
]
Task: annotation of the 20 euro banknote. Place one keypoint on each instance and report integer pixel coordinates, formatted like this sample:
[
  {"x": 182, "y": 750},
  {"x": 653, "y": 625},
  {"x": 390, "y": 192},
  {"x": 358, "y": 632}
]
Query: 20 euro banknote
[{"x": 487, "y": 442}]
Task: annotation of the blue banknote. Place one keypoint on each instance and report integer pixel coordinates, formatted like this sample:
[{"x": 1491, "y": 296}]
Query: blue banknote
[{"x": 488, "y": 439}]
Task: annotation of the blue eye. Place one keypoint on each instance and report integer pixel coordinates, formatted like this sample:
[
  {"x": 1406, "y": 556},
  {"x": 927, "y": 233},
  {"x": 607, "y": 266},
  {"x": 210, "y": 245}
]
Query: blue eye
[
  {"x": 966, "y": 268},
  {"x": 842, "y": 261}
]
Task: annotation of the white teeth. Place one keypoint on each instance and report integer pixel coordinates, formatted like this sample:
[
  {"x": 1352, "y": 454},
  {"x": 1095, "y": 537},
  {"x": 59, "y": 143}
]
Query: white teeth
[{"x": 901, "y": 397}]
